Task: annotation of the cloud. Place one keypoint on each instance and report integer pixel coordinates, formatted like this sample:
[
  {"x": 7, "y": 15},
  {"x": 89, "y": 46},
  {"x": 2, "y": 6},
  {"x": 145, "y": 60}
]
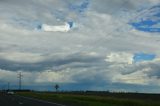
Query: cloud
[
  {"x": 22, "y": 57},
  {"x": 102, "y": 45},
  {"x": 120, "y": 58},
  {"x": 142, "y": 73},
  {"x": 62, "y": 28},
  {"x": 36, "y": 62}
]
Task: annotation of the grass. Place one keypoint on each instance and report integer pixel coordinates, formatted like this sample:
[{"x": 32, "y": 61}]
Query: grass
[{"x": 91, "y": 100}]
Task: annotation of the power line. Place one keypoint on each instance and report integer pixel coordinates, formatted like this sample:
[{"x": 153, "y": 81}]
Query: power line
[{"x": 20, "y": 80}]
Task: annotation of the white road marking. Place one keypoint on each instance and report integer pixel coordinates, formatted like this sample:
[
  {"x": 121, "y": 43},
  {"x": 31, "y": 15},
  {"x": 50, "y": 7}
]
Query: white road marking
[
  {"x": 42, "y": 101},
  {"x": 20, "y": 103}
]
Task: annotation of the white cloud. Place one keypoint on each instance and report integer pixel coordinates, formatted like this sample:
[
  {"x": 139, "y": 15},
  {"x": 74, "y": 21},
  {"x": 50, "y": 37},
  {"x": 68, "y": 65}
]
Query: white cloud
[
  {"x": 138, "y": 77},
  {"x": 121, "y": 57},
  {"x": 8, "y": 76},
  {"x": 54, "y": 77},
  {"x": 62, "y": 28}
]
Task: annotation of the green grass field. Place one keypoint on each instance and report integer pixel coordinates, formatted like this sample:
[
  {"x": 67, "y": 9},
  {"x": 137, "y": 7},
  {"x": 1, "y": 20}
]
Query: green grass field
[{"x": 94, "y": 100}]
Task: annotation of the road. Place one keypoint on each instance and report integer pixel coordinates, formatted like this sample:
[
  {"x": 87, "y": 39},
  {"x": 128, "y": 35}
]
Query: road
[{"x": 13, "y": 100}]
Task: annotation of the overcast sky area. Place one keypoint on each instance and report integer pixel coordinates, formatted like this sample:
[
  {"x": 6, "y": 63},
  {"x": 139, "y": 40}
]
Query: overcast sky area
[{"x": 81, "y": 44}]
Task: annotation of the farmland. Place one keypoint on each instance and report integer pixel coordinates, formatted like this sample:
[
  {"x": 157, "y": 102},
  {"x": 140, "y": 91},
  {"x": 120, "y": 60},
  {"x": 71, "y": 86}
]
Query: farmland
[{"x": 96, "y": 99}]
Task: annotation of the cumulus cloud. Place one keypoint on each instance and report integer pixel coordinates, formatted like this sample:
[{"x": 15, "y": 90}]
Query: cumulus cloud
[{"x": 120, "y": 58}]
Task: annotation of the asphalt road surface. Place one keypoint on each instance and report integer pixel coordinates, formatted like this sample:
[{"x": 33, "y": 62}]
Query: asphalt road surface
[{"x": 13, "y": 100}]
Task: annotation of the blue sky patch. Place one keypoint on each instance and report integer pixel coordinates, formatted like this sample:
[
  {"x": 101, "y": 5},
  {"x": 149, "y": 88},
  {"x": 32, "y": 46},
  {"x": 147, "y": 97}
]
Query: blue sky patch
[
  {"x": 70, "y": 24},
  {"x": 81, "y": 7},
  {"x": 146, "y": 26},
  {"x": 148, "y": 21},
  {"x": 138, "y": 57}
]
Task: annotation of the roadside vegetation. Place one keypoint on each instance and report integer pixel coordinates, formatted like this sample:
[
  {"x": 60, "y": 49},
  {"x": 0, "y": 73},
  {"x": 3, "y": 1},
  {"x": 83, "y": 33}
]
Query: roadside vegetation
[{"x": 88, "y": 99}]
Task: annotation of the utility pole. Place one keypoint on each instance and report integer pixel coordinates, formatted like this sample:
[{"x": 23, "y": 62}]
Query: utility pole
[{"x": 20, "y": 80}]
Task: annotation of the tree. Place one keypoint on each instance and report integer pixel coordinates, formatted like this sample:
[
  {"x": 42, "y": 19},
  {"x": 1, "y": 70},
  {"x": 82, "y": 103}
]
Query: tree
[{"x": 56, "y": 87}]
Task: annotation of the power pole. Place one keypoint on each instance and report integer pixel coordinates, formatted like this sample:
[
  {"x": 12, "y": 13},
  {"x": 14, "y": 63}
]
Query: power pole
[{"x": 20, "y": 80}]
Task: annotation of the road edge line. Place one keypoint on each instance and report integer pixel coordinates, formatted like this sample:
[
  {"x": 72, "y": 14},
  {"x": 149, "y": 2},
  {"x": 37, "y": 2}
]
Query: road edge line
[{"x": 39, "y": 100}]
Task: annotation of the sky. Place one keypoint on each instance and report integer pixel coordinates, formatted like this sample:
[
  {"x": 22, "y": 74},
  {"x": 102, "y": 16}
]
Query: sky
[{"x": 81, "y": 44}]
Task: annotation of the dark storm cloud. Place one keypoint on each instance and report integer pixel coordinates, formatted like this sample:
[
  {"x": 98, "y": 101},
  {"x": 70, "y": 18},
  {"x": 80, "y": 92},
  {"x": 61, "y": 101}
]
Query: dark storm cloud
[
  {"x": 56, "y": 64},
  {"x": 153, "y": 69}
]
